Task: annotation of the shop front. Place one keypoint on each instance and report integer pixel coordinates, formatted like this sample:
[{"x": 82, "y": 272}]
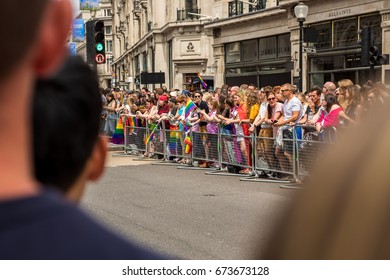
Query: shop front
[
  {"x": 338, "y": 52},
  {"x": 262, "y": 62}
]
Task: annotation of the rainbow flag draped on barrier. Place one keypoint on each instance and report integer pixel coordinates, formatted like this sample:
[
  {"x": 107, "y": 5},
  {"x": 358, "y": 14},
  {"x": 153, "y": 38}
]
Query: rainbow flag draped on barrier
[
  {"x": 190, "y": 106},
  {"x": 174, "y": 141},
  {"x": 151, "y": 135},
  {"x": 188, "y": 143},
  {"x": 201, "y": 80},
  {"x": 118, "y": 136},
  {"x": 132, "y": 121}
]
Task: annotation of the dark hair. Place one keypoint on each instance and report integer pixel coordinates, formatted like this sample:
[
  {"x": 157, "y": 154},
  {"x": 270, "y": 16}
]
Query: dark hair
[
  {"x": 330, "y": 101},
  {"x": 229, "y": 102},
  {"x": 66, "y": 117},
  {"x": 269, "y": 108},
  {"x": 317, "y": 90}
]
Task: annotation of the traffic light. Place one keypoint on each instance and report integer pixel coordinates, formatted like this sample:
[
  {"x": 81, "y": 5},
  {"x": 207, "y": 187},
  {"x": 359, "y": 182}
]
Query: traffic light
[
  {"x": 365, "y": 43},
  {"x": 100, "y": 52},
  {"x": 376, "y": 58}
]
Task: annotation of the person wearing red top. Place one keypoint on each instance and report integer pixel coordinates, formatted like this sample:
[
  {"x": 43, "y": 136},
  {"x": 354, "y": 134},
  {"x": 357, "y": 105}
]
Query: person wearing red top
[
  {"x": 330, "y": 117},
  {"x": 242, "y": 129}
]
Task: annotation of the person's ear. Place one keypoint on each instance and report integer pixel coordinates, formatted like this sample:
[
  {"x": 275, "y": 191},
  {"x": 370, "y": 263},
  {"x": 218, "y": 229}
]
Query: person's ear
[
  {"x": 53, "y": 32},
  {"x": 97, "y": 160}
]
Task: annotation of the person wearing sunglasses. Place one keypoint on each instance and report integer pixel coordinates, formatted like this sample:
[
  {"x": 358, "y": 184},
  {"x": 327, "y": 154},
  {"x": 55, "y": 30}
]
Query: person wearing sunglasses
[
  {"x": 200, "y": 139},
  {"x": 274, "y": 111},
  {"x": 292, "y": 109}
]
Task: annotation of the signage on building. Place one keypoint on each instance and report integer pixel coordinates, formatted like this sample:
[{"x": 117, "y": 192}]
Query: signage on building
[
  {"x": 190, "y": 47},
  {"x": 72, "y": 48},
  {"x": 338, "y": 13},
  {"x": 78, "y": 30}
]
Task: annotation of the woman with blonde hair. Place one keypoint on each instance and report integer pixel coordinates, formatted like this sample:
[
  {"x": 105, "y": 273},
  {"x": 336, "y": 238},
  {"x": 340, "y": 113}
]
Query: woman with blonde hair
[
  {"x": 342, "y": 86},
  {"x": 354, "y": 102},
  {"x": 252, "y": 108}
]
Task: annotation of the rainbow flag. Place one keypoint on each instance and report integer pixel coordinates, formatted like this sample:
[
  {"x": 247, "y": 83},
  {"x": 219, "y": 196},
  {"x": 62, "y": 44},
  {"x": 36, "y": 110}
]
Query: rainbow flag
[
  {"x": 132, "y": 121},
  {"x": 190, "y": 106},
  {"x": 174, "y": 141},
  {"x": 188, "y": 143},
  {"x": 118, "y": 136},
  {"x": 201, "y": 80},
  {"x": 151, "y": 135}
]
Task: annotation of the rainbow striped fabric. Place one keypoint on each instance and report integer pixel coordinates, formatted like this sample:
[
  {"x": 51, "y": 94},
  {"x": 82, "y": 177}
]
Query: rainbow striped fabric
[
  {"x": 188, "y": 144},
  {"x": 118, "y": 137},
  {"x": 132, "y": 121},
  {"x": 190, "y": 106},
  {"x": 201, "y": 80}
]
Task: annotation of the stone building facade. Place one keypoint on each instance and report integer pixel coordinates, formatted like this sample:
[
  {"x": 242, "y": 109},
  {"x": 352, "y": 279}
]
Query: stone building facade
[{"x": 235, "y": 42}]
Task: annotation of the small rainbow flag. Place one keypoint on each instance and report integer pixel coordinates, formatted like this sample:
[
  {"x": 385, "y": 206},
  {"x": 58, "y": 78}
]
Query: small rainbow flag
[
  {"x": 118, "y": 136},
  {"x": 132, "y": 121},
  {"x": 188, "y": 143},
  {"x": 190, "y": 106},
  {"x": 201, "y": 80},
  {"x": 151, "y": 135}
]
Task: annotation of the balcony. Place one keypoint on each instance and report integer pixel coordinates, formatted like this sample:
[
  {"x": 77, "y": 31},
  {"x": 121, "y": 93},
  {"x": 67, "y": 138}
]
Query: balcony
[
  {"x": 235, "y": 8},
  {"x": 257, "y": 5},
  {"x": 183, "y": 15}
]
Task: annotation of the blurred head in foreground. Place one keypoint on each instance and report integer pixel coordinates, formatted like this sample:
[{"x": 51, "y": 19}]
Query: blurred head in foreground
[
  {"x": 66, "y": 115},
  {"x": 343, "y": 211}
]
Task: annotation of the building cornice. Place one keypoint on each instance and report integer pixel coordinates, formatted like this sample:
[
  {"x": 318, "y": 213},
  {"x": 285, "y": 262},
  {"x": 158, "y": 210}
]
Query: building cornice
[{"x": 246, "y": 17}]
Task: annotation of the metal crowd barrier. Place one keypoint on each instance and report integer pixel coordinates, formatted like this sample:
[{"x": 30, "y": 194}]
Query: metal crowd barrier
[
  {"x": 293, "y": 156},
  {"x": 134, "y": 138}
]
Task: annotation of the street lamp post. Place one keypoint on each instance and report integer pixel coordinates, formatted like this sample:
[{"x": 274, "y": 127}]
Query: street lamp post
[{"x": 300, "y": 11}]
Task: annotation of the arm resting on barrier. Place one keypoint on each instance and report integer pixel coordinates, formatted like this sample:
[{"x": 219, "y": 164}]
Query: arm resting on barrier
[{"x": 294, "y": 117}]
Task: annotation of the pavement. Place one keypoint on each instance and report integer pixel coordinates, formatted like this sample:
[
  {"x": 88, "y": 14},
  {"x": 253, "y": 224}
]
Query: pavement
[{"x": 185, "y": 213}]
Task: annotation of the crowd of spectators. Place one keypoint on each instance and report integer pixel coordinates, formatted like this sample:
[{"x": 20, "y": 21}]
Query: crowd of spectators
[{"x": 272, "y": 113}]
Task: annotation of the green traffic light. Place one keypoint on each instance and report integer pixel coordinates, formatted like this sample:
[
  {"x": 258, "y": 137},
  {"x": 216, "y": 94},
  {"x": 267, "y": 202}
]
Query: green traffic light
[{"x": 99, "y": 47}]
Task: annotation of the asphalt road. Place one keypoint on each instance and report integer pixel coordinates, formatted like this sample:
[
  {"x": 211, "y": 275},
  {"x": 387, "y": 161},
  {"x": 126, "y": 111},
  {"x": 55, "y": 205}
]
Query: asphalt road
[{"x": 185, "y": 213}]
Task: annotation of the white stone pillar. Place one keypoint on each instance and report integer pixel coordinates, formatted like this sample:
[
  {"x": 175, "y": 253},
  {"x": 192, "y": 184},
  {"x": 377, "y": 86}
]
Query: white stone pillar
[
  {"x": 386, "y": 43},
  {"x": 219, "y": 70},
  {"x": 161, "y": 56}
]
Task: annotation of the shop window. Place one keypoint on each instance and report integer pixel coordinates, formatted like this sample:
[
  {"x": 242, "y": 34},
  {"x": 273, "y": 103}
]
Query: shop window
[
  {"x": 249, "y": 50},
  {"x": 284, "y": 45},
  {"x": 233, "y": 71},
  {"x": 249, "y": 69},
  {"x": 324, "y": 35},
  {"x": 352, "y": 60},
  {"x": 375, "y": 22},
  {"x": 345, "y": 32},
  {"x": 267, "y": 48},
  {"x": 233, "y": 52},
  {"x": 327, "y": 63}
]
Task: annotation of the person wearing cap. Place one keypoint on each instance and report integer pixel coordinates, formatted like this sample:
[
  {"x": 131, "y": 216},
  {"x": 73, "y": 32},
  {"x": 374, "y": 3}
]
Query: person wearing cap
[{"x": 163, "y": 107}]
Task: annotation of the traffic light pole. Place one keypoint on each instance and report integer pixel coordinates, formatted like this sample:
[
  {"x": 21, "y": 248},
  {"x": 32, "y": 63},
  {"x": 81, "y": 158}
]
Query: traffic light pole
[
  {"x": 300, "y": 53},
  {"x": 372, "y": 73}
]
